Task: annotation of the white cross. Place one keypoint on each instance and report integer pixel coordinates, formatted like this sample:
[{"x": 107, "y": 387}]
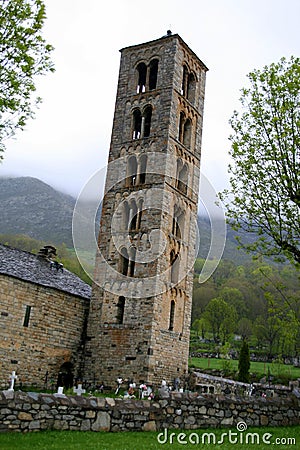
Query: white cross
[
  {"x": 13, "y": 377},
  {"x": 79, "y": 390}
]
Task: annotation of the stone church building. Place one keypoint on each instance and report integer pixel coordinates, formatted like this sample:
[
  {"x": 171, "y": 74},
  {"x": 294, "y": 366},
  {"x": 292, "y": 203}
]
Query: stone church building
[
  {"x": 135, "y": 323},
  {"x": 42, "y": 319}
]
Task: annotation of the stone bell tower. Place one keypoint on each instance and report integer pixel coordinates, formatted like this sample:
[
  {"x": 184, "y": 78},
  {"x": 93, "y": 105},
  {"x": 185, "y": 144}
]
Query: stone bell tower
[{"x": 139, "y": 321}]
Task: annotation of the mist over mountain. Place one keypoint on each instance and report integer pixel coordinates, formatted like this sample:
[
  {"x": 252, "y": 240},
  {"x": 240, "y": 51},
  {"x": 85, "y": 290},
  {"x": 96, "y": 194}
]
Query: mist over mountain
[{"x": 33, "y": 208}]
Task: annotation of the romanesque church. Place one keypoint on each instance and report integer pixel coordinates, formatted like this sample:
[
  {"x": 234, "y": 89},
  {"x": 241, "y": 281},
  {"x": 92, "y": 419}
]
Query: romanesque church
[{"x": 135, "y": 320}]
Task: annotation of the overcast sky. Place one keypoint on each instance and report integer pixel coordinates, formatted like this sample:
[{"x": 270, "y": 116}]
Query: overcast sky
[{"x": 69, "y": 139}]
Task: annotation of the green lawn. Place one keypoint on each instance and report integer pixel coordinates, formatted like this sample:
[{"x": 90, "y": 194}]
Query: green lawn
[
  {"x": 75, "y": 440},
  {"x": 259, "y": 368}
]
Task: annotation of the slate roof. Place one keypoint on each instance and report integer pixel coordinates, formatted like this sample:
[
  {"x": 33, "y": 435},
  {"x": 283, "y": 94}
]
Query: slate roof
[{"x": 28, "y": 267}]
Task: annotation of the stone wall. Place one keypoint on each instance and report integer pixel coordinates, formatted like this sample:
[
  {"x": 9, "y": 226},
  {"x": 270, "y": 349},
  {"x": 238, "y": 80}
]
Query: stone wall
[
  {"x": 34, "y": 412},
  {"x": 205, "y": 383}
]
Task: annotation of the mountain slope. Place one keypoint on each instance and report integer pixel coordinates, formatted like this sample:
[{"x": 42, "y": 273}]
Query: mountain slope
[{"x": 32, "y": 207}]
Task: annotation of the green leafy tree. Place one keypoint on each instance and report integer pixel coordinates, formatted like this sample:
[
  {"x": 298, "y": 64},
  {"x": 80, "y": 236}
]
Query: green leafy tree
[
  {"x": 200, "y": 326},
  {"x": 244, "y": 363},
  {"x": 264, "y": 197},
  {"x": 221, "y": 318},
  {"x": 244, "y": 328},
  {"x": 234, "y": 297},
  {"x": 24, "y": 54}
]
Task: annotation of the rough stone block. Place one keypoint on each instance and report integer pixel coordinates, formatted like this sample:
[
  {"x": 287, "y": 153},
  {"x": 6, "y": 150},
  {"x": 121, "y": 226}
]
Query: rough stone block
[
  {"x": 24, "y": 416},
  {"x": 150, "y": 426},
  {"x": 102, "y": 422}
]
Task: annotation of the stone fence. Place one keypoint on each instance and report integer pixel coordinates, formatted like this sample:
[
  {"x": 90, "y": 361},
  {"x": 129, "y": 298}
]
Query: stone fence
[{"x": 20, "y": 411}]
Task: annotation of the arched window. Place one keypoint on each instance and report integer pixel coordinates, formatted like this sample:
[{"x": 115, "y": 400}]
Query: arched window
[
  {"x": 181, "y": 126},
  {"x": 126, "y": 212},
  {"x": 137, "y": 124},
  {"x": 187, "y": 133},
  {"x": 178, "y": 223},
  {"x": 124, "y": 262},
  {"x": 180, "y": 226},
  {"x": 132, "y": 216},
  {"x": 174, "y": 262},
  {"x": 139, "y": 215},
  {"x": 147, "y": 118},
  {"x": 143, "y": 168},
  {"x": 132, "y": 252},
  {"x": 191, "y": 88},
  {"x": 172, "y": 315},
  {"x": 189, "y": 84},
  {"x": 131, "y": 171},
  {"x": 184, "y": 80},
  {"x": 182, "y": 180},
  {"x": 153, "y": 74},
  {"x": 120, "y": 309},
  {"x": 142, "y": 77},
  {"x": 141, "y": 124}
]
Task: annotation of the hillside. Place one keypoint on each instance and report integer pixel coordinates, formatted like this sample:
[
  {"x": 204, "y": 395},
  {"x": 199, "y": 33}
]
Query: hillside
[{"x": 32, "y": 207}]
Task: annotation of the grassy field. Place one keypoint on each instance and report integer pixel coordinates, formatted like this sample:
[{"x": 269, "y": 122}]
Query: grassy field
[
  {"x": 259, "y": 368},
  {"x": 281, "y": 438}
]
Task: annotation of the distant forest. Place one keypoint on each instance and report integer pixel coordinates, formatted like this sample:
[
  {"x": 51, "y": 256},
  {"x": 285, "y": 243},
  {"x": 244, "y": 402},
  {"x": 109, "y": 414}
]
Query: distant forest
[{"x": 256, "y": 300}]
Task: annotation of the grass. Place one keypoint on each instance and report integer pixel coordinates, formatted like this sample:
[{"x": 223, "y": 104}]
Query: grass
[
  {"x": 259, "y": 368},
  {"x": 79, "y": 440}
]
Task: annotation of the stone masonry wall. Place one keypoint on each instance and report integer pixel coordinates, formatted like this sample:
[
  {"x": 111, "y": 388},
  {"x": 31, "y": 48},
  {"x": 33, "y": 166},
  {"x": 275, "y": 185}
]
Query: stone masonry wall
[
  {"x": 25, "y": 412},
  {"x": 52, "y": 337}
]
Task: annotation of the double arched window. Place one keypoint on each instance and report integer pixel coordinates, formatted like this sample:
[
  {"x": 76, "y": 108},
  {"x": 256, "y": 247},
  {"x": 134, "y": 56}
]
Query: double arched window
[
  {"x": 185, "y": 130},
  {"x": 178, "y": 223},
  {"x": 141, "y": 122},
  {"x": 136, "y": 170},
  {"x": 147, "y": 76},
  {"x": 182, "y": 175},
  {"x": 189, "y": 84},
  {"x": 127, "y": 262},
  {"x": 133, "y": 215}
]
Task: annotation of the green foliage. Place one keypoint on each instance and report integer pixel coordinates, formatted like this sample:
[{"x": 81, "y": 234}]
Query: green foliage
[
  {"x": 24, "y": 55},
  {"x": 266, "y": 302},
  {"x": 264, "y": 197},
  {"x": 244, "y": 363},
  {"x": 221, "y": 318}
]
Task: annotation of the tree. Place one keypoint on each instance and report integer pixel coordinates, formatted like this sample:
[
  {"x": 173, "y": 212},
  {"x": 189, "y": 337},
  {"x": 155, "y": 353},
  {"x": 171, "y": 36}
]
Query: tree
[
  {"x": 221, "y": 318},
  {"x": 244, "y": 363},
  {"x": 234, "y": 297},
  {"x": 24, "y": 54},
  {"x": 244, "y": 328},
  {"x": 264, "y": 197}
]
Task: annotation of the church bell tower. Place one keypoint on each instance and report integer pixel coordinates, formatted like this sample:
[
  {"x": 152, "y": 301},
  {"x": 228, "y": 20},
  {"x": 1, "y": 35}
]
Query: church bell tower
[{"x": 140, "y": 312}]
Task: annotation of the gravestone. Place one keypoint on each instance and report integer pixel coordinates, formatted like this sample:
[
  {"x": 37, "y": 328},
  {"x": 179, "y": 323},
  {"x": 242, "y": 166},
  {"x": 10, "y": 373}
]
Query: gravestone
[
  {"x": 13, "y": 377},
  {"x": 78, "y": 391},
  {"x": 60, "y": 392}
]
